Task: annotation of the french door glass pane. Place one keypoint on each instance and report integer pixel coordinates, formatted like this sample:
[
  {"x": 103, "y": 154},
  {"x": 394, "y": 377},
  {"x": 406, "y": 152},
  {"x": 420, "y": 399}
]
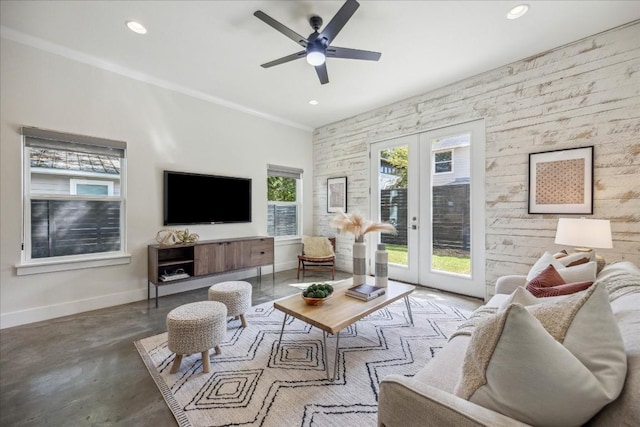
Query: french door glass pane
[
  {"x": 450, "y": 204},
  {"x": 393, "y": 180}
]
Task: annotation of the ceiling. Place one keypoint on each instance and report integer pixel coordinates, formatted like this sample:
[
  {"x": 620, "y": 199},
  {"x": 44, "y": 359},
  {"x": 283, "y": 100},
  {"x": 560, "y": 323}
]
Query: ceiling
[{"x": 213, "y": 49}]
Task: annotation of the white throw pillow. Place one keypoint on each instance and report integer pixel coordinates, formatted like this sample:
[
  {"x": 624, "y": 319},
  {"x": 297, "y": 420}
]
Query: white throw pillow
[
  {"x": 579, "y": 273},
  {"x": 515, "y": 366},
  {"x": 542, "y": 263},
  {"x": 577, "y": 257}
]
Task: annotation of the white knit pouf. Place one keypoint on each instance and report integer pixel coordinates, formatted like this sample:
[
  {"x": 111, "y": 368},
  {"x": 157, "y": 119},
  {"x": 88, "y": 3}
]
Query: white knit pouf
[
  {"x": 196, "y": 328},
  {"x": 235, "y": 295}
]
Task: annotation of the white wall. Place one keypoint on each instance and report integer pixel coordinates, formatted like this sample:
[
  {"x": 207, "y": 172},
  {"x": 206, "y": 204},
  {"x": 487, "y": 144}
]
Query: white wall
[
  {"x": 585, "y": 93},
  {"x": 163, "y": 130}
]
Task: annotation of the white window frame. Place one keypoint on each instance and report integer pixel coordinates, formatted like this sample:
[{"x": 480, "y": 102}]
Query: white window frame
[
  {"x": 295, "y": 173},
  {"x": 34, "y": 137},
  {"x": 435, "y": 169}
]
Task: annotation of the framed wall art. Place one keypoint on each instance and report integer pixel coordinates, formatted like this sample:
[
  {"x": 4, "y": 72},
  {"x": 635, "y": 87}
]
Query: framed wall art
[
  {"x": 337, "y": 194},
  {"x": 561, "y": 181}
]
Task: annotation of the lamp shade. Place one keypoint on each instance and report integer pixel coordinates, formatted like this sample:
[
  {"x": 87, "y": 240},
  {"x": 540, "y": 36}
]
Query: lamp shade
[{"x": 582, "y": 232}]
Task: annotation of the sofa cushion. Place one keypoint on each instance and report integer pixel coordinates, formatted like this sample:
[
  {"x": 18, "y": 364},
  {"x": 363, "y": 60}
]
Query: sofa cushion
[
  {"x": 554, "y": 363},
  {"x": 622, "y": 279},
  {"x": 551, "y": 283}
]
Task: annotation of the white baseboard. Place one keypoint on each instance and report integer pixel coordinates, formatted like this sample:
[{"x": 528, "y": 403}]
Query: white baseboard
[
  {"x": 283, "y": 266},
  {"x": 48, "y": 312},
  {"x": 38, "y": 314}
]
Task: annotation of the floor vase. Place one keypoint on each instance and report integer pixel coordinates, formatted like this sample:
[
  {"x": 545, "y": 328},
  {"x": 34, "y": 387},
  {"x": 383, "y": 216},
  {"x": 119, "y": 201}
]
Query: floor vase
[{"x": 359, "y": 261}]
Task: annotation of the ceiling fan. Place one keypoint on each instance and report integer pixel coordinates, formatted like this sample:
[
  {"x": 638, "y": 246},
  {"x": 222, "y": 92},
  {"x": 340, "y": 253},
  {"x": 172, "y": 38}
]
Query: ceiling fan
[{"x": 317, "y": 47}]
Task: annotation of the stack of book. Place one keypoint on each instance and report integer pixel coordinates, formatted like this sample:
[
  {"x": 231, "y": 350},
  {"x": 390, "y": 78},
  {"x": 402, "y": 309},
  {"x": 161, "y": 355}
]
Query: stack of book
[
  {"x": 174, "y": 276},
  {"x": 365, "y": 292}
]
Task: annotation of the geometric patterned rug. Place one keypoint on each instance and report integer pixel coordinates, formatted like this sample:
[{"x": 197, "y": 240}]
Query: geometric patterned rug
[{"x": 255, "y": 383}]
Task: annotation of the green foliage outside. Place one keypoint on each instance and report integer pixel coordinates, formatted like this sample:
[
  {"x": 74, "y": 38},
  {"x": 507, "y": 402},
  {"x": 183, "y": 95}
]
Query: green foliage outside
[
  {"x": 280, "y": 189},
  {"x": 399, "y": 159},
  {"x": 451, "y": 263}
]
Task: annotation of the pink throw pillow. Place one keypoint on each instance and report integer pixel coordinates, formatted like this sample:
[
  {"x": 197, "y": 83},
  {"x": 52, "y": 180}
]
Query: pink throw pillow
[{"x": 566, "y": 289}]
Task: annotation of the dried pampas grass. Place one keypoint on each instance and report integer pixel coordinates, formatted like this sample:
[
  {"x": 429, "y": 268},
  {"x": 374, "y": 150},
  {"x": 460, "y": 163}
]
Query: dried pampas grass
[{"x": 358, "y": 226}]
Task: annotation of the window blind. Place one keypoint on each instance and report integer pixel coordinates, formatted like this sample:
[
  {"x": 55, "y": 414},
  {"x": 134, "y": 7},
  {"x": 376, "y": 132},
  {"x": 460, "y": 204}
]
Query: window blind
[
  {"x": 42, "y": 138},
  {"x": 284, "y": 171}
]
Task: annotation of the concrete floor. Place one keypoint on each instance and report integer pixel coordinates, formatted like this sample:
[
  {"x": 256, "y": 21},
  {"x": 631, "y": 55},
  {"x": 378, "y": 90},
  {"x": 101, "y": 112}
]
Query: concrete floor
[{"x": 84, "y": 370}]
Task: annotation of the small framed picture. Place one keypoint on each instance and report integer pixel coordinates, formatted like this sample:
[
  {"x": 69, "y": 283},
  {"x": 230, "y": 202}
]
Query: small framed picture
[
  {"x": 337, "y": 194},
  {"x": 561, "y": 181}
]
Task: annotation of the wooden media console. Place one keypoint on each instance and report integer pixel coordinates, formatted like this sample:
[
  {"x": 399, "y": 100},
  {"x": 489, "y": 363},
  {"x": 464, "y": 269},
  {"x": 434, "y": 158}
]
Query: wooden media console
[{"x": 168, "y": 264}]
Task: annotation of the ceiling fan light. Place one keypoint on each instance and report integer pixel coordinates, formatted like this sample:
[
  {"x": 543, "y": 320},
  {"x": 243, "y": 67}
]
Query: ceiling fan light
[{"x": 315, "y": 58}]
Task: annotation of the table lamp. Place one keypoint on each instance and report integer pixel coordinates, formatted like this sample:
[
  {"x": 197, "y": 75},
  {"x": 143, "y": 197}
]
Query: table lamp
[{"x": 585, "y": 235}]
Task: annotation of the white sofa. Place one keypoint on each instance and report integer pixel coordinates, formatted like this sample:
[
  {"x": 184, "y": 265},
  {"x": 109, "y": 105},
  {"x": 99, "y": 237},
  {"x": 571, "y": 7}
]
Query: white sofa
[{"x": 428, "y": 399}]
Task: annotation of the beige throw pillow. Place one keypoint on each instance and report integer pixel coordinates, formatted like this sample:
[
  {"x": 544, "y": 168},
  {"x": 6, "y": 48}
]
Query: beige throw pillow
[
  {"x": 317, "y": 247},
  {"x": 551, "y": 364},
  {"x": 519, "y": 296}
]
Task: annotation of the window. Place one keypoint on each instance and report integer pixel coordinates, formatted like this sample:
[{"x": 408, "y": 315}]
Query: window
[
  {"x": 443, "y": 162},
  {"x": 91, "y": 187},
  {"x": 74, "y": 198},
  {"x": 284, "y": 196}
]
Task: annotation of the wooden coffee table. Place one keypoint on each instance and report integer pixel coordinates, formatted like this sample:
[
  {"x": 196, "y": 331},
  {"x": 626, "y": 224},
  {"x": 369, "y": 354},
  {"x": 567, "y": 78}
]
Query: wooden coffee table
[{"x": 340, "y": 311}]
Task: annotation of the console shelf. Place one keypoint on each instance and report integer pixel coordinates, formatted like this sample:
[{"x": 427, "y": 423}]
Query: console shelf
[{"x": 207, "y": 258}]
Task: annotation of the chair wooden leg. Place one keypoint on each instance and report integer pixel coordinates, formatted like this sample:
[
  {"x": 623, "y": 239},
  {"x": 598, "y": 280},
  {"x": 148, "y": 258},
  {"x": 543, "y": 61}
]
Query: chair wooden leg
[
  {"x": 243, "y": 320},
  {"x": 206, "y": 367},
  {"x": 299, "y": 262},
  {"x": 176, "y": 364}
]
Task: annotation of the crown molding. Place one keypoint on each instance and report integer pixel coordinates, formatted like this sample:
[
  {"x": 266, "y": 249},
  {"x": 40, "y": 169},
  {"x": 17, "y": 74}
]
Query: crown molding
[{"x": 56, "y": 49}]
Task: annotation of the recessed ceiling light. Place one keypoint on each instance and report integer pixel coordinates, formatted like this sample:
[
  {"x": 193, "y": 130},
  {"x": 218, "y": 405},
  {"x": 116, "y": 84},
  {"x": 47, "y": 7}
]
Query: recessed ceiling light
[
  {"x": 518, "y": 11},
  {"x": 313, "y": 102},
  {"x": 136, "y": 27}
]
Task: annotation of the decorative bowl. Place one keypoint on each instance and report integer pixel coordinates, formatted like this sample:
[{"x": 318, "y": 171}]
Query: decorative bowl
[
  {"x": 315, "y": 301},
  {"x": 312, "y": 293}
]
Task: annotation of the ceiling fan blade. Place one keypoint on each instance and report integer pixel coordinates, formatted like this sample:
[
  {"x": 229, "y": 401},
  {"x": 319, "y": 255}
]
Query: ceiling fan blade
[
  {"x": 302, "y": 41},
  {"x": 284, "y": 59},
  {"x": 337, "y": 22},
  {"x": 343, "y": 52},
  {"x": 322, "y": 73}
]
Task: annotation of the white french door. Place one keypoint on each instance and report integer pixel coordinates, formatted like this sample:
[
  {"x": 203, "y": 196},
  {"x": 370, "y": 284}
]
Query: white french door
[{"x": 431, "y": 187}]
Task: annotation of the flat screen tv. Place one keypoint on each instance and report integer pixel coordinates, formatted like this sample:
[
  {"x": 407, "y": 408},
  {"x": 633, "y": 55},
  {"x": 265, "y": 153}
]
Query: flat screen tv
[{"x": 191, "y": 198}]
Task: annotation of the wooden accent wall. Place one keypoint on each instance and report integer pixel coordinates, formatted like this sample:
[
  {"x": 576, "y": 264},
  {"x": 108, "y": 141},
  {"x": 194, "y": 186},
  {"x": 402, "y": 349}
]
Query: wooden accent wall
[{"x": 585, "y": 93}]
